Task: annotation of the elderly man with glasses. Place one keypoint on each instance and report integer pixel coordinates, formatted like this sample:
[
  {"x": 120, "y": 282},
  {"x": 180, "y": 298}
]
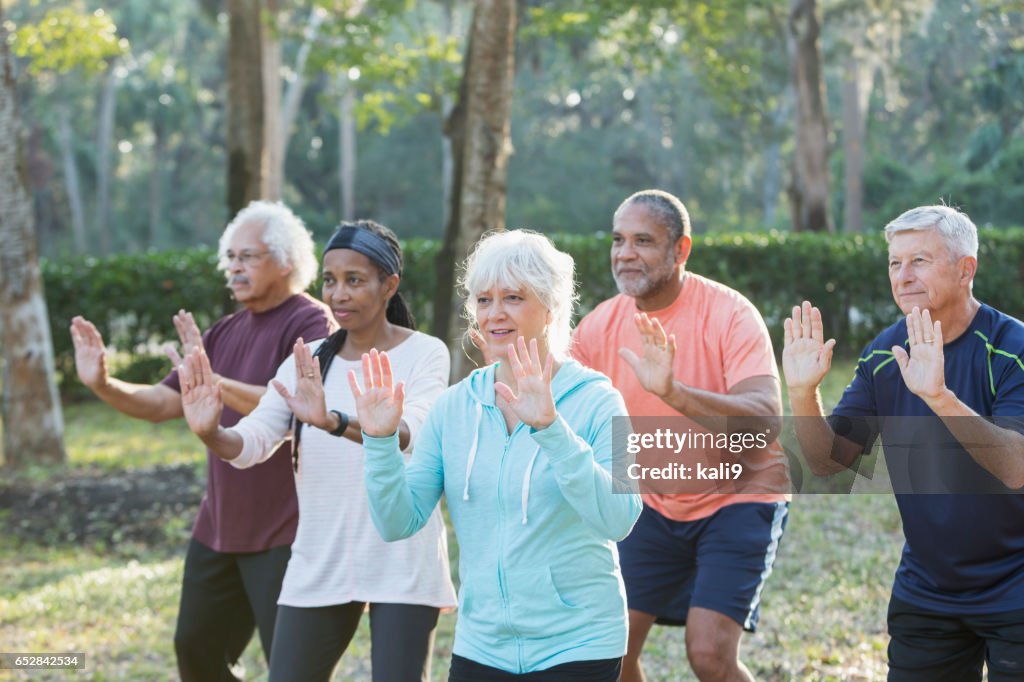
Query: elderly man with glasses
[{"x": 242, "y": 536}]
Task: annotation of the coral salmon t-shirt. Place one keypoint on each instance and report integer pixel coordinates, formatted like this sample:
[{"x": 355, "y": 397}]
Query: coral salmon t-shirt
[{"x": 721, "y": 340}]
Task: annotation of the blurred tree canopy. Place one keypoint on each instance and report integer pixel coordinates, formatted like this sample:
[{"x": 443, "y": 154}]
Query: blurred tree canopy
[{"x": 609, "y": 97}]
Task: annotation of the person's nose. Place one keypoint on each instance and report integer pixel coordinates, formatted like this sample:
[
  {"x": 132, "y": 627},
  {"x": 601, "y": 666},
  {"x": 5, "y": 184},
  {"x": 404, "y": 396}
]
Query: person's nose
[
  {"x": 625, "y": 251},
  {"x": 497, "y": 311}
]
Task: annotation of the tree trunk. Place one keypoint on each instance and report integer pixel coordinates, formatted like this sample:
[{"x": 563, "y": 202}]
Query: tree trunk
[
  {"x": 247, "y": 177},
  {"x": 32, "y": 420},
  {"x": 347, "y": 148},
  {"x": 478, "y": 196},
  {"x": 104, "y": 142},
  {"x": 272, "y": 123},
  {"x": 293, "y": 97},
  {"x": 809, "y": 183},
  {"x": 856, "y": 93},
  {"x": 71, "y": 180},
  {"x": 447, "y": 149}
]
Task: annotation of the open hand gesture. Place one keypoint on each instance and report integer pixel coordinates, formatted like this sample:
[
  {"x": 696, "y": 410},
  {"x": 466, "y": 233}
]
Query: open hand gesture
[
  {"x": 188, "y": 332},
  {"x": 200, "y": 394},
  {"x": 378, "y": 402},
  {"x": 806, "y": 356},
  {"x": 308, "y": 402},
  {"x": 90, "y": 354},
  {"x": 654, "y": 368},
  {"x": 924, "y": 368},
  {"x": 531, "y": 400}
]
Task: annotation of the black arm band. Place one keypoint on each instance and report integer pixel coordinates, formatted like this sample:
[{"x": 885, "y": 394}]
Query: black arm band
[{"x": 342, "y": 423}]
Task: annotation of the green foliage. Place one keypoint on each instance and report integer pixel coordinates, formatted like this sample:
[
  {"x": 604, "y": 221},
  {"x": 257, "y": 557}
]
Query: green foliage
[
  {"x": 69, "y": 37},
  {"x": 395, "y": 54},
  {"x": 131, "y": 298}
]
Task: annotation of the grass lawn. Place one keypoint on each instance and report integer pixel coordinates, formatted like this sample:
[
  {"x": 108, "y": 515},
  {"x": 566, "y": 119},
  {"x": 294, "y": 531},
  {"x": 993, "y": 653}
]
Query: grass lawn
[{"x": 823, "y": 611}]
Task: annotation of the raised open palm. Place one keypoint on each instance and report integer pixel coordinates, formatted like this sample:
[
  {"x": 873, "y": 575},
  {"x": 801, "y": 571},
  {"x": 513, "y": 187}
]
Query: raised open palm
[
  {"x": 307, "y": 404},
  {"x": 654, "y": 367},
  {"x": 924, "y": 368},
  {"x": 531, "y": 400},
  {"x": 806, "y": 356},
  {"x": 378, "y": 402},
  {"x": 90, "y": 354},
  {"x": 188, "y": 333},
  {"x": 200, "y": 394}
]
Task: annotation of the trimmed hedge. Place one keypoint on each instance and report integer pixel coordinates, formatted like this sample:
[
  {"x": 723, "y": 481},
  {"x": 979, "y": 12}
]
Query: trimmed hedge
[{"x": 132, "y": 297}]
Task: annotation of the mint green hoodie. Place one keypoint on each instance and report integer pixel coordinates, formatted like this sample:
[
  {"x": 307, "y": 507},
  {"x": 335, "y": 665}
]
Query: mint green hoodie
[{"x": 534, "y": 513}]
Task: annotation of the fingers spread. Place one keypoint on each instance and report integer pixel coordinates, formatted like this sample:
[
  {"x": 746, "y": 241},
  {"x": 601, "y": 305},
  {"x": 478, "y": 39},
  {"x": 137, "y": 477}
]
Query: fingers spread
[
  {"x": 504, "y": 392},
  {"x": 386, "y": 375},
  {"x": 353, "y": 382}
]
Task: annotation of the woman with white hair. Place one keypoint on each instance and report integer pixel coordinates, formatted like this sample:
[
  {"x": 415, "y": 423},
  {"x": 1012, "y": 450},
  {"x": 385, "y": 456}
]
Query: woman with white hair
[{"x": 523, "y": 450}]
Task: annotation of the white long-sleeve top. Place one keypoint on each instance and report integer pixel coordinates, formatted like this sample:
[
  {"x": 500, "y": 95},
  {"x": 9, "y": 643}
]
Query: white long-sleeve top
[{"x": 338, "y": 555}]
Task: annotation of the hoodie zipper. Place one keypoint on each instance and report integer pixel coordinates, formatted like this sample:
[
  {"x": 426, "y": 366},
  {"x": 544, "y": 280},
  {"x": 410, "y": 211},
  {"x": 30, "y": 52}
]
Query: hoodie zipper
[{"x": 502, "y": 585}]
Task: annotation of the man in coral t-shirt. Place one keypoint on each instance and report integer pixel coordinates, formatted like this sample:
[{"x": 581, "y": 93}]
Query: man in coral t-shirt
[{"x": 702, "y": 550}]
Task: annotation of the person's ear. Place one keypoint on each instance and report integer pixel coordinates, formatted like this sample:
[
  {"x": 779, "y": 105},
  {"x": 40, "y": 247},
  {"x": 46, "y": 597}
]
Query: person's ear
[
  {"x": 968, "y": 268},
  {"x": 391, "y": 285},
  {"x": 682, "y": 249}
]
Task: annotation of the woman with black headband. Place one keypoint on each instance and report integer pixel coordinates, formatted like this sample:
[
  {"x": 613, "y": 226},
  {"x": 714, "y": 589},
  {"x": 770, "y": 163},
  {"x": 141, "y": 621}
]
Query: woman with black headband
[{"x": 339, "y": 562}]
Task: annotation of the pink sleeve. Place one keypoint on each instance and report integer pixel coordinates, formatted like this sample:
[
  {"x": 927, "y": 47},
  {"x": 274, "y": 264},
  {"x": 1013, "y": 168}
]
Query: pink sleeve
[{"x": 747, "y": 346}]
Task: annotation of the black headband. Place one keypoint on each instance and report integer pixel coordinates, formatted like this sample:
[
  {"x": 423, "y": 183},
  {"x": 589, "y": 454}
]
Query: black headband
[{"x": 368, "y": 243}]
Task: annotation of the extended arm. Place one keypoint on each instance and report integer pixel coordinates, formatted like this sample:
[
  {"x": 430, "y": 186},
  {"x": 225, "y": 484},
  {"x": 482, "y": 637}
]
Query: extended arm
[
  {"x": 999, "y": 450},
  {"x": 806, "y": 359},
  {"x": 752, "y": 405},
  {"x": 155, "y": 403}
]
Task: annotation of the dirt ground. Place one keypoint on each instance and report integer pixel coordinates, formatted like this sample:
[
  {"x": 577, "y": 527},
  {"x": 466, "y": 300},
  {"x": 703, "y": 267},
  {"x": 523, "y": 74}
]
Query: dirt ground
[{"x": 144, "y": 506}]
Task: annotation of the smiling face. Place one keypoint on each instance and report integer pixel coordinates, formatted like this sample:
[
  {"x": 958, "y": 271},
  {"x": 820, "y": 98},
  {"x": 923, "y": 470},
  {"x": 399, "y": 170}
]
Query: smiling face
[
  {"x": 254, "y": 276},
  {"x": 924, "y": 273},
  {"x": 355, "y": 290},
  {"x": 504, "y": 313}
]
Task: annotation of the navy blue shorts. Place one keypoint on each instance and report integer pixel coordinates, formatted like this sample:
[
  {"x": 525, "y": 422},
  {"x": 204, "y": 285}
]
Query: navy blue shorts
[{"x": 718, "y": 563}]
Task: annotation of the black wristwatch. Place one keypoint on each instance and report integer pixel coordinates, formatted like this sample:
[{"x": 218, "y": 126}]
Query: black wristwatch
[{"x": 342, "y": 423}]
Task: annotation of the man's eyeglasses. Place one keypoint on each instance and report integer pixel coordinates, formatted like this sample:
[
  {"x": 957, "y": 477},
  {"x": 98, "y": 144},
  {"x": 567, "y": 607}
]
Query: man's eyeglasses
[{"x": 243, "y": 257}]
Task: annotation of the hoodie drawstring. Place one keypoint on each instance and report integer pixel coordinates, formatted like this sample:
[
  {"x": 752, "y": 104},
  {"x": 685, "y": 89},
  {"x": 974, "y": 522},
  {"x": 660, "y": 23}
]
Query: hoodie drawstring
[
  {"x": 526, "y": 483},
  {"x": 472, "y": 449}
]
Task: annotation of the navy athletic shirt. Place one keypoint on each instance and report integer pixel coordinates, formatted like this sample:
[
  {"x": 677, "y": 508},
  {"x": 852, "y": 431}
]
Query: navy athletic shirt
[{"x": 964, "y": 553}]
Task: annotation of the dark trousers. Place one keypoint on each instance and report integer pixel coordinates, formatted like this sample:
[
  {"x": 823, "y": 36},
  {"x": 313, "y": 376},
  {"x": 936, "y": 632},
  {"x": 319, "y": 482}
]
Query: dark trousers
[
  {"x": 927, "y": 646},
  {"x": 309, "y": 642},
  {"x": 606, "y": 670},
  {"x": 224, "y": 597}
]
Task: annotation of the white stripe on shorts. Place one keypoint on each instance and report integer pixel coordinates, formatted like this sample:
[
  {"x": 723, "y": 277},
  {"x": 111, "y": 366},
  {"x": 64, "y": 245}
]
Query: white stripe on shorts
[{"x": 769, "y": 559}]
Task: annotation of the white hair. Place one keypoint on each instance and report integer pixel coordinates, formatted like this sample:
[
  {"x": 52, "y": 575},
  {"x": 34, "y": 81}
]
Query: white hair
[
  {"x": 523, "y": 258},
  {"x": 956, "y": 228},
  {"x": 285, "y": 235}
]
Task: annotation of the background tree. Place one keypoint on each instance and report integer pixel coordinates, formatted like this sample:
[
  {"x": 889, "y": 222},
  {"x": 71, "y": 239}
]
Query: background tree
[
  {"x": 33, "y": 425},
  {"x": 480, "y": 128},
  {"x": 809, "y": 182}
]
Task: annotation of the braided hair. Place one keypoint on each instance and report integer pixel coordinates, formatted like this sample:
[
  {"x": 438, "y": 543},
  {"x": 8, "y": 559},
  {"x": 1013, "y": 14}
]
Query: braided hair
[{"x": 397, "y": 312}]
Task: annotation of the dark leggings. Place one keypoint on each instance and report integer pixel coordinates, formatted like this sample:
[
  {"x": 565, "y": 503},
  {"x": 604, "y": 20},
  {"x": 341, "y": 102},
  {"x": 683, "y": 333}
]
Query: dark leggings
[
  {"x": 604, "y": 670},
  {"x": 309, "y": 642},
  {"x": 224, "y": 597}
]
